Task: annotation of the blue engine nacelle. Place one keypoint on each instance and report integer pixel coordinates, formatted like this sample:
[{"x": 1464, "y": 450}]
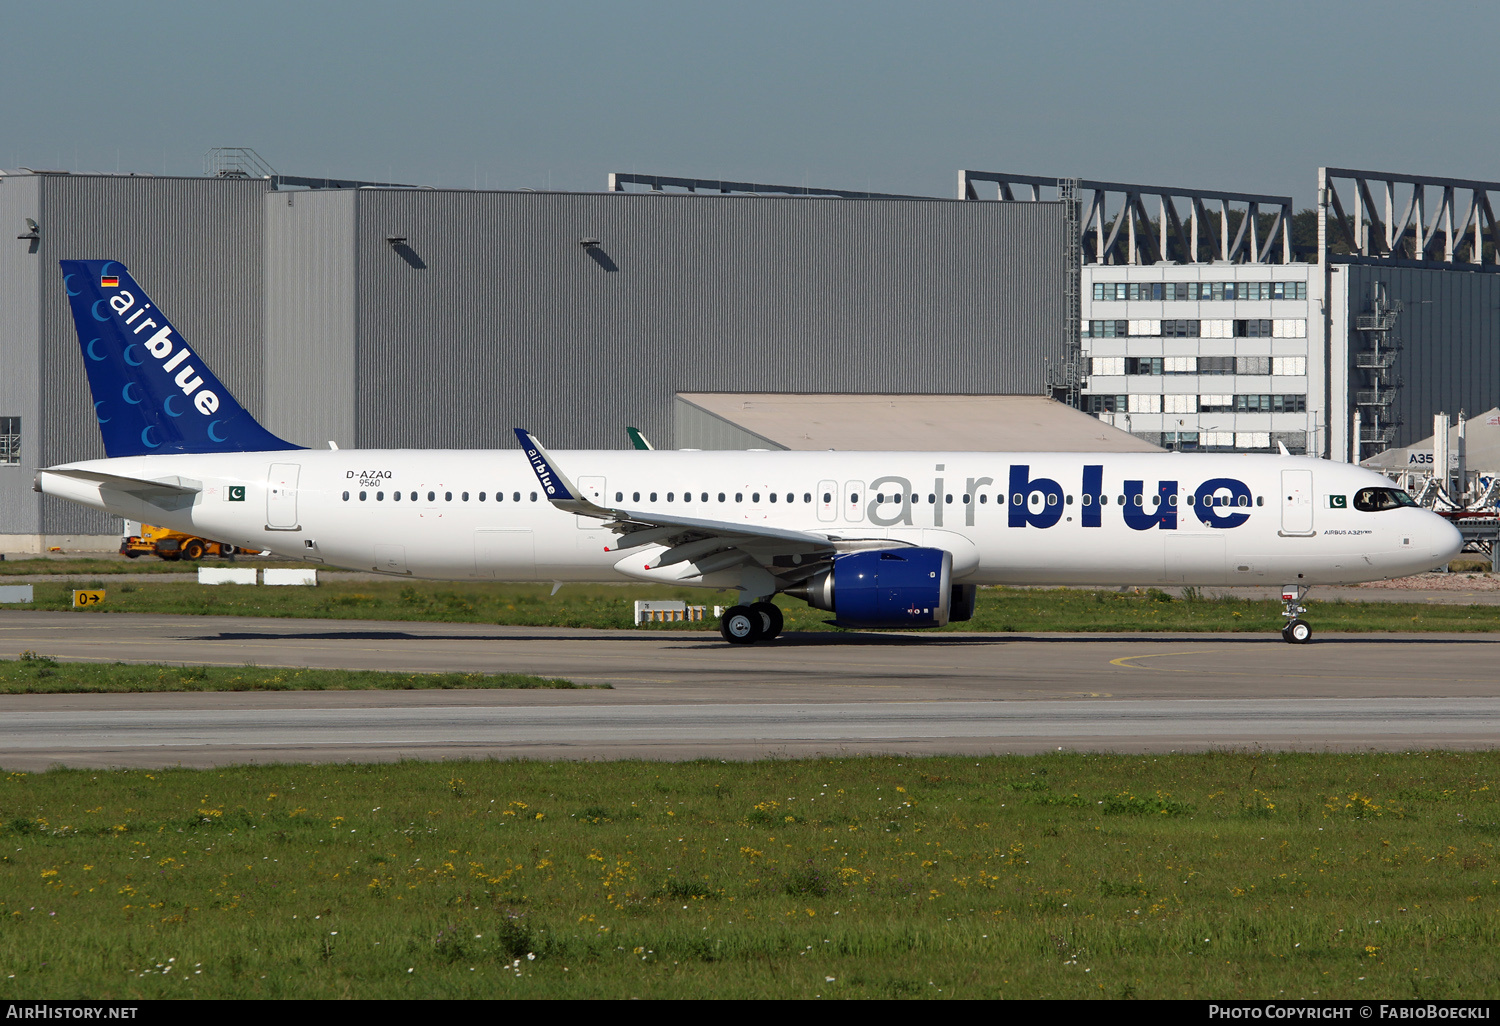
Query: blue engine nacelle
[{"x": 884, "y": 588}]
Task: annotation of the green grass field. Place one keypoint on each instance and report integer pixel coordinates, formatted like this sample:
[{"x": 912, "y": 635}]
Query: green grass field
[
  {"x": 34, "y": 674},
  {"x": 1182, "y": 876},
  {"x": 610, "y": 606},
  {"x": 108, "y": 565}
]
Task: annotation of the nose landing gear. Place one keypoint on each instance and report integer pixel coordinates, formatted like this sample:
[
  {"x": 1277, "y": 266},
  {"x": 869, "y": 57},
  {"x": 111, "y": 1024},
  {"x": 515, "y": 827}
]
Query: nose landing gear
[{"x": 1297, "y": 631}]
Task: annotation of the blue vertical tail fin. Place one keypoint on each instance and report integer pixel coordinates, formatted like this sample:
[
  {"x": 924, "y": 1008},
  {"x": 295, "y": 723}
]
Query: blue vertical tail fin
[{"x": 152, "y": 393}]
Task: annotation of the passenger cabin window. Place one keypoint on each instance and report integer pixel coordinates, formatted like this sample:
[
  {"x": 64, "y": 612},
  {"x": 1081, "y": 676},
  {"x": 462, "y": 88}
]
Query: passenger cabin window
[
  {"x": 464, "y": 496},
  {"x": 516, "y": 496},
  {"x": 361, "y": 496},
  {"x": 395, "y": 496},
  {"x": 533, "y": 496},
  {"x": 346, "y": 496},
  {"x": 1376, "y": 500},
  {"x": 619, "y": 496}
]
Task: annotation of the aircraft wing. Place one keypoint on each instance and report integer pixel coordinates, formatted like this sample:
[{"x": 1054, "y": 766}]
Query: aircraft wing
[{"x": 710, "y": 544}]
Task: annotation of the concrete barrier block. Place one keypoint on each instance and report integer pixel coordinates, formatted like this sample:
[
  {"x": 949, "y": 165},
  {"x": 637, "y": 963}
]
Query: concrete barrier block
[
  {"x": 649, "y": 612},
  {"x": 297, "y": 576},
  {"x": 226, "y": 575},
  {"x": 667, "y": 611}
]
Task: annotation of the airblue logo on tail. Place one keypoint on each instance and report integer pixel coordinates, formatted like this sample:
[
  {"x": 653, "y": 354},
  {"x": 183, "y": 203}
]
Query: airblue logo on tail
[{"x": 152, "y": 393}]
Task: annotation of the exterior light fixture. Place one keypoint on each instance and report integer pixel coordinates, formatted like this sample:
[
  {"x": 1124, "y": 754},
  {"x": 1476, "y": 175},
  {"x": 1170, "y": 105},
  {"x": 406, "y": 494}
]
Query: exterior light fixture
[
  {"x": 33, "y": 231},
  {"x": 589, "y": 242}
]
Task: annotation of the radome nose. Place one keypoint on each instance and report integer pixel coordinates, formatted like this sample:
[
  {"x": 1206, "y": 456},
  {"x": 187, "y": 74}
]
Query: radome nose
[{"x": 1447, "y": 540}]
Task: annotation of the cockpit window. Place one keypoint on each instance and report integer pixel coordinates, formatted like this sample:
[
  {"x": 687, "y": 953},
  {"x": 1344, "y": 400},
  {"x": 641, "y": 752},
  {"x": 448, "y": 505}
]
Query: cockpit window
[{"x": 1374, "y": 500}]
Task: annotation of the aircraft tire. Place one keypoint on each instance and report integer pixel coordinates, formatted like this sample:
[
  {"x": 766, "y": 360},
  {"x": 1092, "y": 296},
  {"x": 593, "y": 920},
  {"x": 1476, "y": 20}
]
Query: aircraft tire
[
  {"x": 740, "y": 625},
  {"x": 771, "y": 619},
  {"x": 1298, "y": 632}
]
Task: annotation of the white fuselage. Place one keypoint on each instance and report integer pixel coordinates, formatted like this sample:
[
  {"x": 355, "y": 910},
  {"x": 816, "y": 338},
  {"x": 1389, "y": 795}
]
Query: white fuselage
[{"x": 1268, "y": 520}]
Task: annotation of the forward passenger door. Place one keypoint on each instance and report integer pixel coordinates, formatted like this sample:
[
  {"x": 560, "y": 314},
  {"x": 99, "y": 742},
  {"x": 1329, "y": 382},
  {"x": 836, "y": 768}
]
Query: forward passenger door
[{"x": 1297, "y": 502}]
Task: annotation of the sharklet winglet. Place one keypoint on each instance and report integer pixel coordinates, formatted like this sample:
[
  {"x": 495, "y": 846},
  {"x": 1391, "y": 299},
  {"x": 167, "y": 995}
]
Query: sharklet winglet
[{"x": 558, "y": 489}]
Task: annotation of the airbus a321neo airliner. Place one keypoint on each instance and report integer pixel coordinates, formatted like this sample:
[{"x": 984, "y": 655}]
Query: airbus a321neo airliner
[{"x": 878, "y": 539}]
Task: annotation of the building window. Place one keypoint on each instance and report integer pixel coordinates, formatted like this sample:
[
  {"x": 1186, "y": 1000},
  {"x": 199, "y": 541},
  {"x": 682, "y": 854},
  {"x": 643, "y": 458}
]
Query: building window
[
  {"x": 1106, "y": 403},
  {"x": 1258, "y": 365},
  {"x": 1295, "y": 441},
  {"x": 10, "y": 441},
  {"x": 1270, "y": 404},
  {"x": 1196, "y": 291}
]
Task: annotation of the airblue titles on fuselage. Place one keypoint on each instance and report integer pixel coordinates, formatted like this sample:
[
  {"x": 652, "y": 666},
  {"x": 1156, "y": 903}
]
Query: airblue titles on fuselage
[{"x": 1140, "y": 513}]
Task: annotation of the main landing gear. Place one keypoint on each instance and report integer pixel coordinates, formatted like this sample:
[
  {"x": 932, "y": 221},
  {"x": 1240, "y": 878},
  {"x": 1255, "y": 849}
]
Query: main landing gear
[
  {"x": 744, "y": 625},
  {"x": 1296, "y": 631}
]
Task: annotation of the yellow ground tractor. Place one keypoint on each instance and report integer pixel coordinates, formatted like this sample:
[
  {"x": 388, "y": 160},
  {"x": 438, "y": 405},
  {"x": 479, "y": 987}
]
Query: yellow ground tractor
[{"x": 169, "y": 544}]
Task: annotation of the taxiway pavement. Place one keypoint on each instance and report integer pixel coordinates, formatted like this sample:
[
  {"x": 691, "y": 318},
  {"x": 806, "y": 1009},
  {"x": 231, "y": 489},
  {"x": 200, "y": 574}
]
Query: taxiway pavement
[{"x": 689, "y": 695}]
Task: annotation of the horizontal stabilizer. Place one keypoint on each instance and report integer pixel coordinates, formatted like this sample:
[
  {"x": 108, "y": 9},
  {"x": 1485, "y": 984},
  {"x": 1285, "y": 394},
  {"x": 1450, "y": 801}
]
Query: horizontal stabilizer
[{"x": 165, "y": 493}]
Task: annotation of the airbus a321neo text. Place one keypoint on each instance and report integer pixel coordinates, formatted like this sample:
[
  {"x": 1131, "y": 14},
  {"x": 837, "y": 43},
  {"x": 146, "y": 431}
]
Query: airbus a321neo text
[{"x": 878, "y": 539}]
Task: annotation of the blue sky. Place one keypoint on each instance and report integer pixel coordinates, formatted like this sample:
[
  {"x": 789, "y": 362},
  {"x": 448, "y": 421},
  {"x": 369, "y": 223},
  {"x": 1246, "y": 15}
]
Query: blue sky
[{"x": 893, "y": 97}]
